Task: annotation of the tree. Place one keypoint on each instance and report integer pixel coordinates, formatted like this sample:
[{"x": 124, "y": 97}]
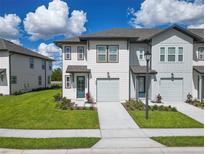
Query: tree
[{"x": 56, "y": 75}]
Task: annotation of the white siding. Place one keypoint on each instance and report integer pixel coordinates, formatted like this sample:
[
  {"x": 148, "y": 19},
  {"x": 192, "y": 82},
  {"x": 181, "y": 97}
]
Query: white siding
[
  {"x": 4, "y": 64},
  {"x": 27, "y": 78},
  {"x": 116, "y": 70},
  {"x": 172, "y": 38}
]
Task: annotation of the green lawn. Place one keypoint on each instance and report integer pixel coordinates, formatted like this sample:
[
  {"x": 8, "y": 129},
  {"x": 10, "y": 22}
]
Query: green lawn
[
  {"x": 164, "y": 119},
  {"x": 47, "y": 143},
  {"x": 36, "y": 110},
  {"x": 181, "y": 141}
]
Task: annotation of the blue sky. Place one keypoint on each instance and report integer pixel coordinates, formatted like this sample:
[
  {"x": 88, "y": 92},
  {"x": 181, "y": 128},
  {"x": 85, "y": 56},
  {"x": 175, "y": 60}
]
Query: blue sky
[{"x": 96, "y": 16}]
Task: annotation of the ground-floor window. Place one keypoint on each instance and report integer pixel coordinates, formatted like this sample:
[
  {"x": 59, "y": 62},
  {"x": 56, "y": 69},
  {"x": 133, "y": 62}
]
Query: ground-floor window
[
  {"x": 67, "y": 81},
  {"x": 49, "y": 79},
  {"x": 13, "y": 80},
  {"x": 39, "y": 80}
]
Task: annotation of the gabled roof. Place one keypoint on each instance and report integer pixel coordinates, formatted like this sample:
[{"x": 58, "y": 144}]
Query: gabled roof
[
  {"x": 141, "y": 34},
  {"x": 6, "y": 45}
]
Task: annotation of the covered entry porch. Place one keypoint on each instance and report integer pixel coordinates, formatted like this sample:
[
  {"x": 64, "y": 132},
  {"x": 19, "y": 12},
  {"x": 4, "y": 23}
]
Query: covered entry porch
[{"x": 138, "y": 81}]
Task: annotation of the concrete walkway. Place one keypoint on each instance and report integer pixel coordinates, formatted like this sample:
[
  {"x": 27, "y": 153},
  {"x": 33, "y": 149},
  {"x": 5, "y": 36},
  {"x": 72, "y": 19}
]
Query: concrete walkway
[
  {"x": 50, "y": 133},
  {"x": 112, "y": 115},
  {"x": 164, "y": 150}
]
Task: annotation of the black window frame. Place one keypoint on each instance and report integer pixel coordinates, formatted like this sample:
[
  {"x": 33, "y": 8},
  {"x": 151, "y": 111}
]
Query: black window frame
[{"x": 31, "y": 63}]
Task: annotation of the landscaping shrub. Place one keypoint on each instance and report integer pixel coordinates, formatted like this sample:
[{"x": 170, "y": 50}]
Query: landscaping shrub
[
  {"x": 194, "y": 102},
  {"x": 57, "y": 97},
  {"x": 139, "y": 105},
  {"x": 1, "y": 94},
  {"x": 18, "y": 92}
]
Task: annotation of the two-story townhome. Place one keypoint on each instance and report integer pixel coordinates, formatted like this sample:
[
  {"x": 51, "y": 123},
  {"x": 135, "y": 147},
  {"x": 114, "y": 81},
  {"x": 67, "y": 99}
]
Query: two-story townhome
[
  {"x": 111, "y": 65},
  {"x": 21, "y": 69}
]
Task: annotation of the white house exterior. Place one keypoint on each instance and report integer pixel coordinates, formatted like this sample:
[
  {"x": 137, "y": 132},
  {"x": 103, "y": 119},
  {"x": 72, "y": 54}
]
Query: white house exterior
[
  {"x": 110, "y": 65},
  {"x": 21, "y": 69}
]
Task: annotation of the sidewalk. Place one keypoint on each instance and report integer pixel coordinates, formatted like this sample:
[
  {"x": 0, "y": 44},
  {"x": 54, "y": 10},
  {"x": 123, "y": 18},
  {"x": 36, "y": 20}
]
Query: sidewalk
[{"x": 164, "y": 150}]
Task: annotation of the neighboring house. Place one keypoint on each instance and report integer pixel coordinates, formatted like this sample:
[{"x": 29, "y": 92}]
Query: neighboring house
[
  {"x": 21, "y": 69},
  {"x": 111, "y": 64}
]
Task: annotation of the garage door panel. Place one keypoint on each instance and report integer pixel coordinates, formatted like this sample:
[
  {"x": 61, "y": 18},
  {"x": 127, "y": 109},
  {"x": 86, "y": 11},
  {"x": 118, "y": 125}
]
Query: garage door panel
[
  {"x": 171, "y": 89},
  {"x": 107, "y": 90}
]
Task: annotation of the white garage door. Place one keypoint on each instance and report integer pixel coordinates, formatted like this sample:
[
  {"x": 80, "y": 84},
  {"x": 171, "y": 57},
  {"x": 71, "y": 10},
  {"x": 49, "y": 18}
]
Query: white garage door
[
  {"x": 171, "y": 89},
  {"x": 108, "y": 90}
]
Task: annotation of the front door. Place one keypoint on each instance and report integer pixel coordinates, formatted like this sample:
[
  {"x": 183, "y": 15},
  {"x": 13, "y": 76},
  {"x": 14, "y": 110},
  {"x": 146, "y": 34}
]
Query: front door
[
  {"x": 80, "y": 87},
  {"x": 141, "y": 84}
]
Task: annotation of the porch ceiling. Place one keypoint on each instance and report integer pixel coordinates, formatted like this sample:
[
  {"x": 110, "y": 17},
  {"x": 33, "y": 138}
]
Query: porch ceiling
[
  {"x": 2, "y": 70},
  {"x": 141, "y": 70},
  {"x": 77, "y": 69},
  {"x": 199, "y": 69}
]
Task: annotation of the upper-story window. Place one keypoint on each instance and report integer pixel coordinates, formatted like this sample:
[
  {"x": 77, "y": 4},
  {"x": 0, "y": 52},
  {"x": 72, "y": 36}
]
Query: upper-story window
[
  {"x": 141, "y": 54},
  {"x": 162, "y": 54},
  {"x": 113, "y": 54},
  {"x": 201, "y": 53},
  {"x": 171, "y": 54},
  {"x": 43, "y": 64},
  {"x": 107, "y": 54},
  {"x": 67, "y": 51},
  {"x": 31, "y": 62},
  {"x": 81, "y": 52},
  {"x": 101, "y": 54},
  {"x": 50, "y": 65},
  {"x": 180, "y": 54}
]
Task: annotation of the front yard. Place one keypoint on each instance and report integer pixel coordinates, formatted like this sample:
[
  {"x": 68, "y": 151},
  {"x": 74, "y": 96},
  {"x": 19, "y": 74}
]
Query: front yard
[
  {"x": 36, "y": 110},
  {"x": 159, "y": 116},
  {"x": 47, "y": 143},
  {"x": 181, "y": 141}
]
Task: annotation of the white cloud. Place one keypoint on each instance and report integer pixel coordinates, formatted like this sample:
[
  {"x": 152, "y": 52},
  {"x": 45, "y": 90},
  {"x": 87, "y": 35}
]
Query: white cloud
[
  {"x": 196, "y": 26},
  {"x": 9, "y": 27},
  {"x": 45, "y": 22},
  {"x": 158, "y": 12},
  {"x": 52, "y": 51}
]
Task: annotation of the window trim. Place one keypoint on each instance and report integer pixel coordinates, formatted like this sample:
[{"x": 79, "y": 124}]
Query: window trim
[
  {"x": 172, "y": 54},
  {"x": 199, "y": 59},
  {"x": 66, "y": 86},
  {"x": 31, "y": 63},
  {"x": 43, "y": 64},
  {"x": 180, "y": 54},
  {"x": 78, "y": 57},
  {"x": 107, "y": 54},
  {"x": 50, "y": 65},
  {"x": 143, "y": 51},
  {"x": 15, "y": 78},
  {"x": 39, "y": 80},
  {"x": 162, "y": 55},
  {"x": 49, "y": 80},
  {"x": 106, "y": 58},
  {"x": 65, "y": 53}
]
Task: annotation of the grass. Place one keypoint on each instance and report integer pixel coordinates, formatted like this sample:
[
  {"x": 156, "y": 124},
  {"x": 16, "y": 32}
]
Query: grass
[
  {"x": 36, "y": 110},
  {"x": 47, "y": 143},
  {"x": 181, "y": 141},
  {"x": 164, "y": 119}
]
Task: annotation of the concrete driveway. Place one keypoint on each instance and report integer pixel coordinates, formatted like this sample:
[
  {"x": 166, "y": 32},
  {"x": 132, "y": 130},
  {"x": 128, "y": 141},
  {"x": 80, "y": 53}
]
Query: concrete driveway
[{"x": 112, "y": 115}]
